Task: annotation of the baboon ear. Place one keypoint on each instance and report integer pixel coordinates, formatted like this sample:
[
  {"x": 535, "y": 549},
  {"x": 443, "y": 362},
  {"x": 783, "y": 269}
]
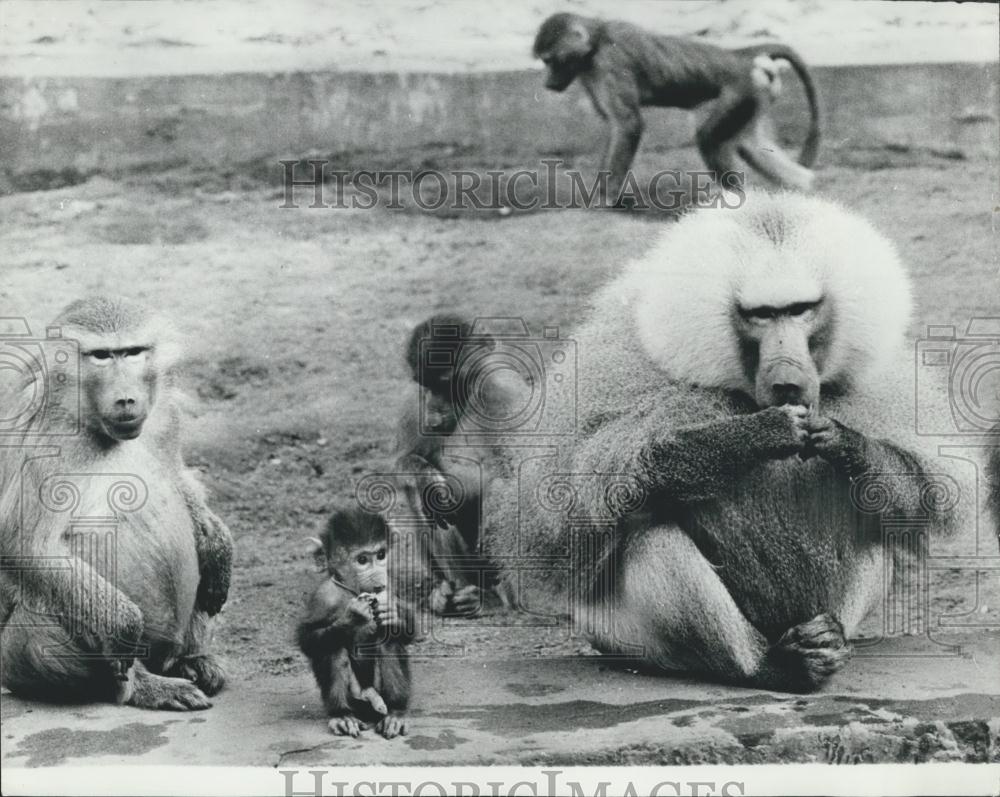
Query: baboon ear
[{"x": 318, "y": 552}]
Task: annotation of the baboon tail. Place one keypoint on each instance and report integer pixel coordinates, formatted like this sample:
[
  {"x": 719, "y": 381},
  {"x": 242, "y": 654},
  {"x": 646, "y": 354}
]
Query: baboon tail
[{"x": 810, "y": 148}]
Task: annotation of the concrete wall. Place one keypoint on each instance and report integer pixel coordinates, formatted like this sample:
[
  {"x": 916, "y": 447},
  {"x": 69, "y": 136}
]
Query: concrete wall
[{"x": 102, "y": 124}]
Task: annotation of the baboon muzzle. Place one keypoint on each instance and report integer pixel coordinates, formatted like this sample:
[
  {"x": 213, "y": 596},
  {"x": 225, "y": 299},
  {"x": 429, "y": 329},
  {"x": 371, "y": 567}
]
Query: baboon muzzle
[{"x": 786, "y": 373}]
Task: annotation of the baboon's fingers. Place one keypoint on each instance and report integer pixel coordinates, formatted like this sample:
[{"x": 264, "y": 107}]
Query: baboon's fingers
[{"x": 467, "y": 600}]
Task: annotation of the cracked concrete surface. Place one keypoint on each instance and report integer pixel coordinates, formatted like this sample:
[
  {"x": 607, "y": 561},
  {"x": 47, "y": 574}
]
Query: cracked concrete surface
[{"x": 908, "y": 703}]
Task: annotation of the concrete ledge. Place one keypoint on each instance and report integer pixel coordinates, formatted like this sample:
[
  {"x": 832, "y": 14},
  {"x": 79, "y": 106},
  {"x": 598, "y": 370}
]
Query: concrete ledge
[
  {"x": 910, "y": 703},
  {"x": 88, "y": 125}
]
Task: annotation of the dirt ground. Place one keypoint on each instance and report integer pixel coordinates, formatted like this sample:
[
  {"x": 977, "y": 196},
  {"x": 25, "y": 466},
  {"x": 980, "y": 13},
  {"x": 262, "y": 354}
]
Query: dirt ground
[{"x": 296, "y": 319}]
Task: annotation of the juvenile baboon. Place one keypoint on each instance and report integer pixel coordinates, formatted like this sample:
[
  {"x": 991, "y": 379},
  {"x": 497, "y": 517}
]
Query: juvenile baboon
[
  {"x": 114, "y": 564},
  {"x": 624, "y": 68},
  {"x": 461, "y": 398},
  {"x": 356, "y": 628},
  {"x": 747, "y": 415}
]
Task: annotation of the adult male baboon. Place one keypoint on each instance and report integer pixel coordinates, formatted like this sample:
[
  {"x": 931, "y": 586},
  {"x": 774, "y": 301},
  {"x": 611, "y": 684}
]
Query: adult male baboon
[
  {"x": 623, "y": 68},
  {"x": 746, "y": 410},
  {"x": 113, "y": 564}
]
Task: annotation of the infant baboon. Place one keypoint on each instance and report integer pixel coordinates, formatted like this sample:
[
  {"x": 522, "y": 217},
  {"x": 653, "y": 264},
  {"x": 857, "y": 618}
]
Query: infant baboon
[{"x": 355, "y": 631}]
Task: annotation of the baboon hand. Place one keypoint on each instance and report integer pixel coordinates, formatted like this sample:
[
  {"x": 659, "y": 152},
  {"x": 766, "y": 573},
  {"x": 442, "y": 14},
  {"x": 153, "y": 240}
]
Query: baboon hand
[
  {"x": 360, "y": 609},
  {"x": 213, "y": 591},
  {"x": 449, "y": 599},
  {"x": 824, "y": 437},
  {"x": 387, "y": 614},
  {"x": 441, "y": 597},
  {"x": 119, "y": 643},
  {"x": 784, "y": 430},
  {"x": 833, "y": 441},
  {"x": 215, "y": 557},
  {"x": 467, "y": 600}
]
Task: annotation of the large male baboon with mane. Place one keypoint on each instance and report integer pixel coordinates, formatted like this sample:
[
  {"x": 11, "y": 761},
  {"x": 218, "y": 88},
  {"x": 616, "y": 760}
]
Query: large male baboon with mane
[
  {"x": 113, "y": 564},
  {"x": 746, "y": 430}
]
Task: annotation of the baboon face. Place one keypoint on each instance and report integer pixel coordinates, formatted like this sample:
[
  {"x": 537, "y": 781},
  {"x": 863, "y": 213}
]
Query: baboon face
[
  {"x": 559, "y": 74},
  {"x": 783, "y": 349},
  {"x": 119, "y": 387},
  {"x": 564, "y": 45},
  {"x": 355, "y": 548},
  {"x": 367, "y": 567}
]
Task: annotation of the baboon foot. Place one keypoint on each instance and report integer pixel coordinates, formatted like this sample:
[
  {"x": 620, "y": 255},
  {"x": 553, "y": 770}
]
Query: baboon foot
[
  {"x": 346, "y": 725},
  {"x": 203, "y": 670},
  {"x": 392, "y": 726},
  {"x": 806, "y": 656},
  {"x": 169, "y": 694}
]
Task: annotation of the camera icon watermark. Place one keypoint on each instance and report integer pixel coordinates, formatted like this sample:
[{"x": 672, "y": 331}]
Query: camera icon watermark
[
  {"x": 970, "y": 404},
  {"x": 39, "y": 379},
  {"x": 498, "y": 379}
]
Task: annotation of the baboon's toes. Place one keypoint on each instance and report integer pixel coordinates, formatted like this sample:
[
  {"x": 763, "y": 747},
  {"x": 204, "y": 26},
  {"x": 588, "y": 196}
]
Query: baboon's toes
[
  {"x": 809, "y": 653},
  {"x": 170, "y": 694},
  {"x": 188, "y": 699},
  {"x": 345, "y": 726},
  {"x": 392, "y": 726}
]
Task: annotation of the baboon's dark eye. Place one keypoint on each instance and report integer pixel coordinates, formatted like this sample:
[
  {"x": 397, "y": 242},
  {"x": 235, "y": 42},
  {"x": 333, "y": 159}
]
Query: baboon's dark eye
[
  {"x": 769, "y": 313},
  {"x": 764, "y": 313},
  {"x": 381, "y": 554},
  {"x": 362, "y": 559},
  {"x": 100, "y": 354},
  {"x": 135, "y": 351},
  {"x": 801, "y": 308}
]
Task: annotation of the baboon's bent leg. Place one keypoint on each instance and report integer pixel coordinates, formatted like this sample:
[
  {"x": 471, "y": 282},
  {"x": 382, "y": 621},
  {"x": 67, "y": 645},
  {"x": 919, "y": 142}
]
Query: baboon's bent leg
[
  {"x": 393, "y": 678},
  {"x": 673, "y": 608},
  {"x": 42, "y": 662},
  {"x": 341, "y": 690}
]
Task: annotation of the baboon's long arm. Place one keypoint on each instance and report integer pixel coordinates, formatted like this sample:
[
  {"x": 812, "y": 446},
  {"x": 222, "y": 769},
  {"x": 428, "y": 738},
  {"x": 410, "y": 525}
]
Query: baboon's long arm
[
  {"x": 689, "y": 464},
  {"x": 329, "y": 624},
  {"x": 891, "y": 477},
  {"x": 615, "y": 95},
  {"x": 214, "y": 544}
]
